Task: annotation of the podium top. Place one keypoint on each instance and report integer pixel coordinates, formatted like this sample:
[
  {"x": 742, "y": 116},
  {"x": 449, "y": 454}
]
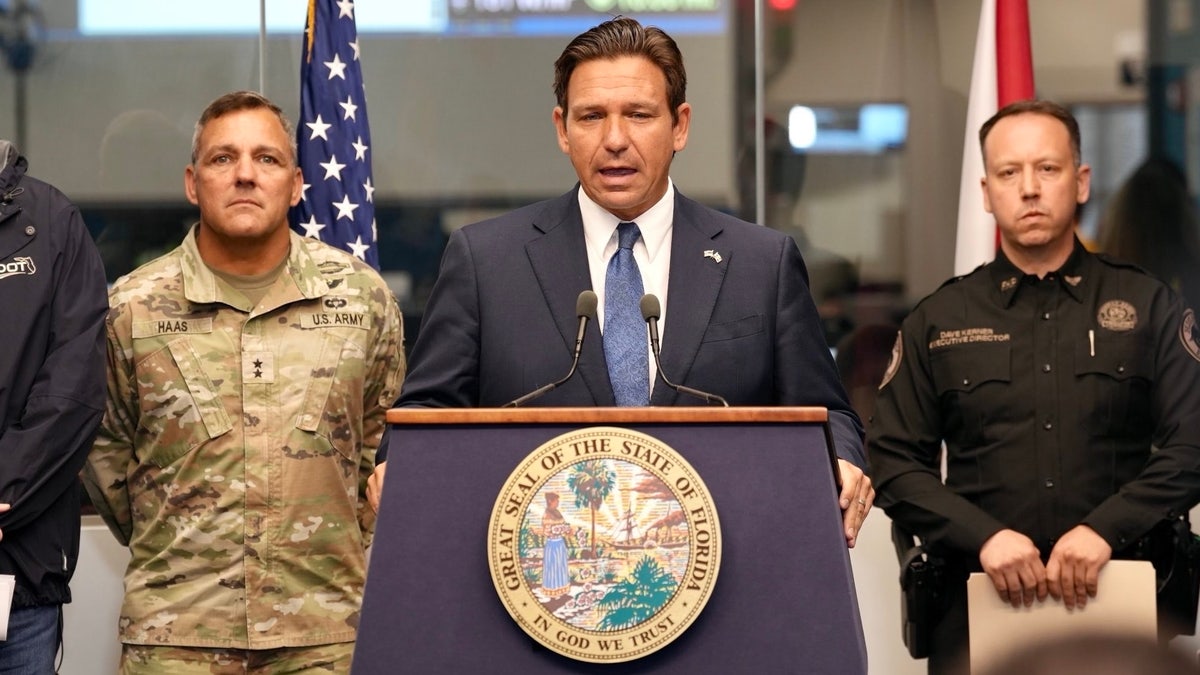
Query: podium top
[{"x": 633, "y": 415}]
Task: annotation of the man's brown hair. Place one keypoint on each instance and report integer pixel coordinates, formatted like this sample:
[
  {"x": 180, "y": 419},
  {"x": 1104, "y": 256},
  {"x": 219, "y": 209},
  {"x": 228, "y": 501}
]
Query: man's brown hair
[
  {"x": 1036, "y": 107},
  {"x": 623, "y": 36}
]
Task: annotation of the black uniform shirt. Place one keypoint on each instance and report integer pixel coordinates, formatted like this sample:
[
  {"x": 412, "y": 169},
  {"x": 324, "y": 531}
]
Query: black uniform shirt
[{"x": 1049, "y": 394}]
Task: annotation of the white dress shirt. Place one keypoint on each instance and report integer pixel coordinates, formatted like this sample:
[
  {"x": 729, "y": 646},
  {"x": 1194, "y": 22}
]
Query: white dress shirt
[{"x": 652, "y": 251}]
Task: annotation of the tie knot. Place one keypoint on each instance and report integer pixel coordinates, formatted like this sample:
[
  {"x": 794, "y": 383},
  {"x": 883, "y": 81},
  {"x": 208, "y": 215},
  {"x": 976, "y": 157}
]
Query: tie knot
[{"x": 627, "y": 234}]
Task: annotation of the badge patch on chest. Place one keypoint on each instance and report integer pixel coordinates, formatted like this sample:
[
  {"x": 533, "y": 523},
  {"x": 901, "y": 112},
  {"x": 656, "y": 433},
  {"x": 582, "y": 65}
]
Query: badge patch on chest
[
  {"x": 258, "y": 367},
  {"x": 1187, "y": 334},
  {"x": 1117, "y": 315}
]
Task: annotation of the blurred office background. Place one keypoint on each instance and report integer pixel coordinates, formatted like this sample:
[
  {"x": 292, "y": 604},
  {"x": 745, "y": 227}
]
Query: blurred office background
[{"x": 858, "y": 129}]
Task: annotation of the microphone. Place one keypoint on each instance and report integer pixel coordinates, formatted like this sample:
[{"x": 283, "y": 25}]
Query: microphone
[
  {"x": 651, "y": 310},
  {"x": 585, "y": 308}
]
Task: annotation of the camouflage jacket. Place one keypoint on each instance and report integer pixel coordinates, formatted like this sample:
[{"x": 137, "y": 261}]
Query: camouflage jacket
[{"x": 236, "y": 445}]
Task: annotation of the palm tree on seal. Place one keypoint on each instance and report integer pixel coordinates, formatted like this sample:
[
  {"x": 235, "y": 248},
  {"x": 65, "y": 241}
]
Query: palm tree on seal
[{"x": 591, "y": 480}]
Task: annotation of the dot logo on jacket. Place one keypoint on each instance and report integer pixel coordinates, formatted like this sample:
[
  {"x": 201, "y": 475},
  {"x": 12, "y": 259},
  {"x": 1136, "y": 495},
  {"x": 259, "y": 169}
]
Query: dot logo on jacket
[{"x": 19, "y": 265}]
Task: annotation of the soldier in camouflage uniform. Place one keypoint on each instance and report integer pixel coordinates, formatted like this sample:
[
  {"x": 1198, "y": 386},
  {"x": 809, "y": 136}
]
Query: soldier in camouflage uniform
[{"x": 249, "y": 373}]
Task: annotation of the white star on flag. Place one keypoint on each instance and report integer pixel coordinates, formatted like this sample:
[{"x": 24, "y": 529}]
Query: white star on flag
[
  {"x": 318, "y": 129},
  {"x": 336, "y": 67},
  {"x": 360, "y": 150},
  {"x": 332, "y": 168},
  {"x": 345, "y": 209},
  {"x": 312, "y": 228},
  {"x": 359, "y": 249},
  {"x": 349, "y": 107}
]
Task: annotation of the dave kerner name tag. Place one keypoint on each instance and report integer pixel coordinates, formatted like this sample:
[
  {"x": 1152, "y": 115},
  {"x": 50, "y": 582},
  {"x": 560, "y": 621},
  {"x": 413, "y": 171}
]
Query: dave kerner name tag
[{"x": 604, "y": 544}]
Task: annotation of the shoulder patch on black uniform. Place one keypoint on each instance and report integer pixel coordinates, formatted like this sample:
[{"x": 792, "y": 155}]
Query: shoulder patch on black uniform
[
  {"x": 894, "y": 362},
  {"x": 1188, "y": 336}
]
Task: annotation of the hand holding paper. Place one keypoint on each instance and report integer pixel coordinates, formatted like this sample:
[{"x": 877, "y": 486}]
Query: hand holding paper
[
  {"x": 1015, "y": 568},
  {"x": 1075, "y": 563}
]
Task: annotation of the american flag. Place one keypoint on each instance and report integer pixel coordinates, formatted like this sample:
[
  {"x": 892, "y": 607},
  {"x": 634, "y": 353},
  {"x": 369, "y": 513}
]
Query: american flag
[{"x": 333, "y": 137}]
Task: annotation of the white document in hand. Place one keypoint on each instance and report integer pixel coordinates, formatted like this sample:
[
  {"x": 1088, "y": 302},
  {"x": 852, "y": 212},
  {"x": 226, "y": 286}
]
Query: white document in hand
[
  {"x": 7, "y": 583},
  {"x": 1125, "y": 603}
]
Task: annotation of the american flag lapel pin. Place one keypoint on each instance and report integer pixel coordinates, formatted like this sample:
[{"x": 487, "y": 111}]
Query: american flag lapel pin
[{"x": 713, "y": 254}]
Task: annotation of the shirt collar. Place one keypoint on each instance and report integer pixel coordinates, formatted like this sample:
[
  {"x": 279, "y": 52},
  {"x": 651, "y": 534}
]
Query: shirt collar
[
  {"x": 201, "y": 286},
  {"x": 1074, "y": 275},
  {"x": 600, "y": 226}
]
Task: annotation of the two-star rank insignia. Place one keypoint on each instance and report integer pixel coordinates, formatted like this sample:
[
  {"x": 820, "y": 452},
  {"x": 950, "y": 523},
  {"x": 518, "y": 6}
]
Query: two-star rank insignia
[{"x": 258, "y": 367}]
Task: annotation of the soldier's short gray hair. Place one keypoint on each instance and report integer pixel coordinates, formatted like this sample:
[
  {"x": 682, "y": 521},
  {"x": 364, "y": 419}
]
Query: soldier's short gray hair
[{"x": 241, "y": 100}]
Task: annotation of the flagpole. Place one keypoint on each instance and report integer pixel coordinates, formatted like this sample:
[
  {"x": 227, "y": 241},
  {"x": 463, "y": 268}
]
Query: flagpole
[
  {"x": 262, "y": 46},
  {"x": 760, "y": 121}
]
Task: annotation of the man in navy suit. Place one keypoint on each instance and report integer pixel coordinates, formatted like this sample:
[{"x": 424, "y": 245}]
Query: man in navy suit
[{"x": 501, "y": 320}]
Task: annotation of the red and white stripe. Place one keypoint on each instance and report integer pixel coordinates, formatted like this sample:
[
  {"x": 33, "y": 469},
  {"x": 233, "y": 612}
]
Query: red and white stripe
[{"x": 1002, "y": 73}]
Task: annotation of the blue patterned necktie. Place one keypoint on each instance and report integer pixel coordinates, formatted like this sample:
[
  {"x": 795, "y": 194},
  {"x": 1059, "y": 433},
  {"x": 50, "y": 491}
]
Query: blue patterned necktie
[{"x": 624, "y": 330}]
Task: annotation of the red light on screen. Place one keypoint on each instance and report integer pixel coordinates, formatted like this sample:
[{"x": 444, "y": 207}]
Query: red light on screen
[{"x": 783, "y": 5}]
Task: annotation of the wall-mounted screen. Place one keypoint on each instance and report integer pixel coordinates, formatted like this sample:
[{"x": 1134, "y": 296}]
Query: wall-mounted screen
[
  {"x": 444, "y": 17},
  {"x": 859, "y": 129}
]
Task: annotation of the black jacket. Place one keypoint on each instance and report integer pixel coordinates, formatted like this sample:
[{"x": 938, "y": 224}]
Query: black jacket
[
  {"x": 53, "y": 302},
  {"x": 1067, "y": 400}
]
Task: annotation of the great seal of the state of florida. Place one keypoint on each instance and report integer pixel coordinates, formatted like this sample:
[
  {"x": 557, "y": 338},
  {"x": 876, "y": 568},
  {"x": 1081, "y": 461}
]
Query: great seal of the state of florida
[{"x": 604, "y": 544}]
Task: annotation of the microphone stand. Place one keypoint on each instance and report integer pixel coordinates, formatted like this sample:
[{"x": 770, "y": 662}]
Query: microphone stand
[
  {"x": 585, "y": 308},
  {"x": 651, "y": 309}
]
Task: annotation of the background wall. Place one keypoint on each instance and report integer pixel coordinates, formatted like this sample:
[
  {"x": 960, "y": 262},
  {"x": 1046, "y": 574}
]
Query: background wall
[
  {"x": 110, "y": 120},
  {"x": 469, "y": 120}
]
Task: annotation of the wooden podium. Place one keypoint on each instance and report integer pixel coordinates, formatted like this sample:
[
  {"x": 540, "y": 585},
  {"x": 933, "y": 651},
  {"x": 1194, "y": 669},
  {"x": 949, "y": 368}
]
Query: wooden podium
[{"x": 784, "y": 601}]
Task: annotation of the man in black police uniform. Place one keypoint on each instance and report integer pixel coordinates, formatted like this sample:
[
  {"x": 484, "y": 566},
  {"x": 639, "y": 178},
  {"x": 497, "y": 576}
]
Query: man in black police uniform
[{"x": 1049, "y": 373}]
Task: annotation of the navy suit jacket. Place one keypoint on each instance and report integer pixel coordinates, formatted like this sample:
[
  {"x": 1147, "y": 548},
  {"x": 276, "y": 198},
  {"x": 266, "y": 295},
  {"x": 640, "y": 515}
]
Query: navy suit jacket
[{"x": 501, "y": 319}]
